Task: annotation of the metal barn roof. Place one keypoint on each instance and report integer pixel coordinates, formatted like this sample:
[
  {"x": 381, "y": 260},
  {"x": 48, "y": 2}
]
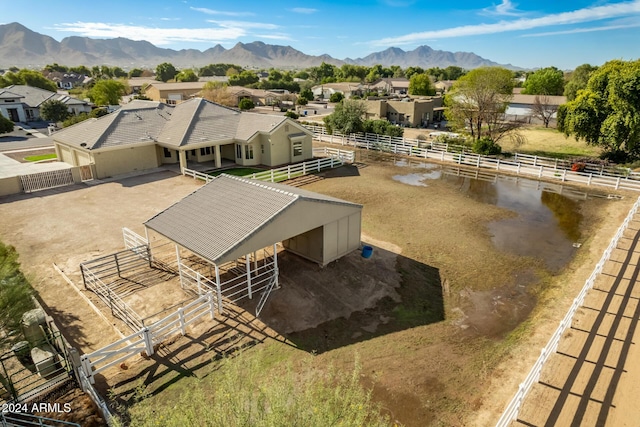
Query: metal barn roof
[{"x": 231, "y": 216}]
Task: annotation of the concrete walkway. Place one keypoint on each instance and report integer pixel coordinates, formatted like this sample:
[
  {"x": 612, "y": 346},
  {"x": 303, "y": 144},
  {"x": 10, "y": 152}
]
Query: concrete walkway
[
  {"x": 10, "y": 167},
  {"x": 592, "y": 379}
]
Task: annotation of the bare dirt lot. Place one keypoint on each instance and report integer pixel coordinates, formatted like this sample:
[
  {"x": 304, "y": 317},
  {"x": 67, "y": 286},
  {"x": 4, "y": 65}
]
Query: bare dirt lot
[{"x": 430, "y": 364}]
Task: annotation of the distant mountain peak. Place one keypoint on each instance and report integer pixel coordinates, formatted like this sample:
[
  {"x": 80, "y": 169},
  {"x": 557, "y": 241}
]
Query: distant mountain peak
[{"x": 22, "y": 47}]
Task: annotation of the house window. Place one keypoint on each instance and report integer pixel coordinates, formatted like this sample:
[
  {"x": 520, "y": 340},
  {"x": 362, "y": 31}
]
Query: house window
[
  {"x": 193, "y": 152},
  {"x": 248, "y": 152},
  {"x": 167, "y": 153},
  {"x": 9, "y": 100},
  {"x": 202, "y": 151},
  {"x": 297, "y": 148},
  {"x": 238, "y": 151},
  {"x": 207, "y": 150}
]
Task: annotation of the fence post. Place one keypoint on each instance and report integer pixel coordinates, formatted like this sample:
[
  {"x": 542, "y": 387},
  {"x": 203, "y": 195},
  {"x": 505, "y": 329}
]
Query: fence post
[
  {"x": 518, "y": 171},
  {"x": 117, "y": 264},
  {"x": 478, "y": 162},
  {"x": 618, "y": 183},
  {"x": 212, "y": 305},
  {"x": 498, "y": 165},
  {"x": 564, "y": 174},
  {"x": 247, "y": 265},
  {"x": 183, "y": 329},
  {"x": 540, "y": 171},
  {"x": 535, "y": 158},
  {"x": 272, "y": 175},
  {"x": 87, "y": 369},
  {"x": 304, "y": 168},
  {"x": 288, "y": 171},
  {"x": 148, "y": 340},
  {"x": 198, "y": 275},
  {"x": 589, "y": 181}
]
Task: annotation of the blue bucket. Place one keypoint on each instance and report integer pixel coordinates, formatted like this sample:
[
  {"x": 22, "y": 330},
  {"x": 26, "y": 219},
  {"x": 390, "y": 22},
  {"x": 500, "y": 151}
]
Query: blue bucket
[{"x": 367, "y": 251}]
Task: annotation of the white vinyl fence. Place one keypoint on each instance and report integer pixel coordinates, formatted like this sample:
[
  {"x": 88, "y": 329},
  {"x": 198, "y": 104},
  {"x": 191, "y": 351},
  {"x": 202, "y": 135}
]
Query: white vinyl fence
[
  {"x": 534, "y": 166},
  {"x": 511, "y": 412},
  {"x": 332, "y": 158}
]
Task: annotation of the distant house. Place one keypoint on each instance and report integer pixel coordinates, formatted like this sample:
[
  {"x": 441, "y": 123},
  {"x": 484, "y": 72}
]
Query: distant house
[
  {"x": 173, "y": 93},
  {"x": 347, "y": 89},
  {"x": 147, "y": 134},
  {"x": 391, "y": 86},
  {"x": 414, "y": 112},
  {"x": 521, "y": 105},
  {"x": 443, "y": 86},
  {"x": 257, "y": 96},
  {"x": 21, "y": 103},
  {"x": 68, "y": 81}
]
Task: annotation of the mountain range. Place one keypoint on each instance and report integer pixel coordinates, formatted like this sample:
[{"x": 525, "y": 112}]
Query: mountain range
[{"x": 22, "y": 47}]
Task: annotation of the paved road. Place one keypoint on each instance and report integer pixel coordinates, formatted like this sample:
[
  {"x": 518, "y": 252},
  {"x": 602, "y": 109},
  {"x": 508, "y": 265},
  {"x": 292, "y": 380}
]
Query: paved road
[{"x": 592, "y": 380}]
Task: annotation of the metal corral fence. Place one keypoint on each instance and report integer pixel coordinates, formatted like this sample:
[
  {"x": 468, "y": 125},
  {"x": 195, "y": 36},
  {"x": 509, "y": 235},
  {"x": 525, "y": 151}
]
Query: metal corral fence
[
  {"x": 9, "y": 419},
  {"x": 102, "y": 276},
  {"x": 144, "y": 339},
  {"x": 511, "y": 412},
  {"x": 540, "y": 167},
  {"x": 334, "y": 158},
  {"x": 46, "y": 180}
]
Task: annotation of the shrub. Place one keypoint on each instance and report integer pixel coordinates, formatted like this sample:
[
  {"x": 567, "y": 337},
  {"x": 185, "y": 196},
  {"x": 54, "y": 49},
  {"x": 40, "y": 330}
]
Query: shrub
[
  {"x": 291, "y": 115},
  {"x": 336, "y": 97},
  {"x": 15, "y": 292},
  {"x": 486, "y": 146},
  {"x": 246, "y": 104}
]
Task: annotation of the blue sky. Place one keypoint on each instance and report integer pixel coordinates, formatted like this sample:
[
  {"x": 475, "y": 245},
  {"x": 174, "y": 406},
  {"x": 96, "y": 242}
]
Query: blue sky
[{"x": 524, "y": 33}]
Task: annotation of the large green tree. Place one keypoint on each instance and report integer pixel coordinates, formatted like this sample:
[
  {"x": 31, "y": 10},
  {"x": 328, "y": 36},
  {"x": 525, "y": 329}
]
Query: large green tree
[
  {"x": 477, "y": 103},
  {"x": 187, "y": 75},
  {"x": 107, "y": 92},
  {"x": 607, "y": 112},
  {"x": 546, "y": 81},
  {"x": 165, "y": 72},
  {"x": 348, "y": 117},
  {"x": 420, "y": 84},
  {"x": 243, "y": 79},
  {"x": 29, "y": 78},
  {"x": 578, "y": 80},
  {"x": 54, "y": 110}
]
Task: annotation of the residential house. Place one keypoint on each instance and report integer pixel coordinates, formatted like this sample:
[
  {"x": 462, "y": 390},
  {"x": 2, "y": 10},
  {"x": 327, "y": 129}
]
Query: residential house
[
  {"x": 173, "y": 93},
  {"x": 147, "y": 134},
  {"x": 21, "y": 103},
  {"x": 324, "y": 91},
  {"x": 68, "y": 81},
  {"x": 443, "y": 86},
  {"x": 391, "y": 86},
  {"x": 257, "y": 96},
  {"x": 521, "y": 105},
  {"x": 413, "y": 112}
]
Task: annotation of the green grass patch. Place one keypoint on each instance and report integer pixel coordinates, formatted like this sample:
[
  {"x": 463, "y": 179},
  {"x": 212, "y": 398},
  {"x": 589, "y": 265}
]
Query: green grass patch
[
  {"x": 236, "y": 171},
  {"x": 252, "y": 390},
  {"x": 40, "y": 157}
]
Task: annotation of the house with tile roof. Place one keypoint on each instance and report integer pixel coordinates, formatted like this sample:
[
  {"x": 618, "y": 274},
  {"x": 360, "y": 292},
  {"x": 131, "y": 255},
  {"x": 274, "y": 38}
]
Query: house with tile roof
[
  {"x": 147, "y": 134},
  {"x": 21, "y": 103}
]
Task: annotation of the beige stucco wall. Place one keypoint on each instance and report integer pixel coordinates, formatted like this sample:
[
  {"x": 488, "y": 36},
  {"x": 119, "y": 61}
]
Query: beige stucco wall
[
  {"x": 413, "y": 113},
  {"x": 300, "y": 218},
  {"x": 281, "y": 147},
  {"x": 125, "y": 160},
  {"x": 10, "y": 185}
]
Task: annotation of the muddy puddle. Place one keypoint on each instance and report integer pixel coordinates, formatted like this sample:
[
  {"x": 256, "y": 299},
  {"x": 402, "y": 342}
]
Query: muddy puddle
[{"x": 545, "y": 225}]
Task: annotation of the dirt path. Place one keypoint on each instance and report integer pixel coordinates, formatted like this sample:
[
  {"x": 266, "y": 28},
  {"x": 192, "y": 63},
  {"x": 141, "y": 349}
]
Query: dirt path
[{"x": 592, "y": 378}]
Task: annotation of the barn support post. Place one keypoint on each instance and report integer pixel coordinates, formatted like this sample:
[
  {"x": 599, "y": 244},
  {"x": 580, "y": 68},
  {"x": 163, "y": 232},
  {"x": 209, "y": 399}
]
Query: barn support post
[
  {"x": 212, "y": 305},
  {"x": 275, "y": 264},
  {"x": 220, "y": 309},
  {"x": 247, "y": 263},
  {"x": 149, "y": 255},
  {"x": 148, "y": 340},
  {"x": 255, "y": 261},
  {"x": 218, "y": 158},
  {"x": 179, "y": 265}
]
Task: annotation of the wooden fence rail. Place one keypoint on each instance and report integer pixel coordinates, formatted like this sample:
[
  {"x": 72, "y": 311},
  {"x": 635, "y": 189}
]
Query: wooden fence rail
[{"x": 511, "y": 412}]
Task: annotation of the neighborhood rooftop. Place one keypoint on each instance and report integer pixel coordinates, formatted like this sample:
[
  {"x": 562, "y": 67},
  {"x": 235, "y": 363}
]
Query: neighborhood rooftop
[{"x": 191, "y": 122}]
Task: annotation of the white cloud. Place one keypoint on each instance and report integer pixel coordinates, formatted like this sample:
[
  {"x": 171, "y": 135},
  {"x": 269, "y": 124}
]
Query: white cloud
[
  {"x": 221, "y": 12},
  {"x": 583, "y": 30},
  {"x": 244, "y": 24},
  {"x": 274, "y": 36},
  {"x": 589, "y": 14},
  {"x": 157, "y": 36},
  {"x": 304, "y": 10},
  {"x": 506, "y": 8}
]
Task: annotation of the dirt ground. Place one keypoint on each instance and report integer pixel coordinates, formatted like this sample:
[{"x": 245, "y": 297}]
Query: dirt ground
[{"x": 430, "y": 360}]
